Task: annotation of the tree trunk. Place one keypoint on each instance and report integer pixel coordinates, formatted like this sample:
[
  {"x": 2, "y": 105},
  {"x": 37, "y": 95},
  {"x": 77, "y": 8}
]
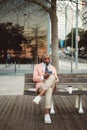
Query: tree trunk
[{"x": 54, "y": 36}]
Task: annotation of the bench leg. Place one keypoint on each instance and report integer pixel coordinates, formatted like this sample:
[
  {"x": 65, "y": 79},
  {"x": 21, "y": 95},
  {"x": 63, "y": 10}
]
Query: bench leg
[
  {"x": 52, "y": 111},
  {"x": 77, "y": 101},
  {"x": 80, "y": 104}
]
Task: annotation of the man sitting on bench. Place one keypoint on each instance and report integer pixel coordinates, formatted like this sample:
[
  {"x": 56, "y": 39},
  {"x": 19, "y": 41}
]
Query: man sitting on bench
[{"x": 45, "y": 75}]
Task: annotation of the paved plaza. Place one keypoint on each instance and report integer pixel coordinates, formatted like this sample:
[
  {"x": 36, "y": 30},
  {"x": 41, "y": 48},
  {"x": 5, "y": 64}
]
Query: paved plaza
[{"x": 11, "y": 85}]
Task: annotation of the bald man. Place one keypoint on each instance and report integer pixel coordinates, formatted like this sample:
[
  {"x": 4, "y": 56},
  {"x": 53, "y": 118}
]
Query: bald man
[{"x": 45, "y": 75}]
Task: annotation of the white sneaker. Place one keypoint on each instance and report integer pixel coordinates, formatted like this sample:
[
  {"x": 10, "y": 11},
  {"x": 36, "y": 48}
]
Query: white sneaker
[
  {"x": 47, "y": 119},
  {"x": 37, "y": 99},
  {"x": 52, "y": 111}
]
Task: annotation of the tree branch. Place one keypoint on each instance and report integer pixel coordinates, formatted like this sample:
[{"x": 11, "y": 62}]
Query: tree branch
[{"x": 40, "y": 4}]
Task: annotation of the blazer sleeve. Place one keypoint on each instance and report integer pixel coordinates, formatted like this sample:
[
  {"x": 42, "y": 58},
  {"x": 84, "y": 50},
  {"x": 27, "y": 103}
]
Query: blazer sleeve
[
  {"x": 55, "y": 74},
  {"x": 36, "y": 76}
]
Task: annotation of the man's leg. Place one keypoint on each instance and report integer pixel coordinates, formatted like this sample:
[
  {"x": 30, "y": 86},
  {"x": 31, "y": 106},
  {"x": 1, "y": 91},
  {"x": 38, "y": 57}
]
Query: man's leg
[
  {"x": 48, "y": 98},
  {"x": 47, "y": 89},
  {"x": 48, "y": 101},
  {"x": 50, "y": 82}
]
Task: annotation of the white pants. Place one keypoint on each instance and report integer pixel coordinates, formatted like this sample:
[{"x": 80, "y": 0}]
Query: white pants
[{"x": 48, "y": 85}]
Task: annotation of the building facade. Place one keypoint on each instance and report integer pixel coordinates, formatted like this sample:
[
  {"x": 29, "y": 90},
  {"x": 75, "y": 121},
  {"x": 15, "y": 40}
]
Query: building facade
[{"x": 67, "y": 19}]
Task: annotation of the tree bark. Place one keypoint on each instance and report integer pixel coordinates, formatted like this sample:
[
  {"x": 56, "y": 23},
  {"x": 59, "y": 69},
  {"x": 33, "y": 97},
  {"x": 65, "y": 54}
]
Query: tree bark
[{"x": 54, "y": 35}]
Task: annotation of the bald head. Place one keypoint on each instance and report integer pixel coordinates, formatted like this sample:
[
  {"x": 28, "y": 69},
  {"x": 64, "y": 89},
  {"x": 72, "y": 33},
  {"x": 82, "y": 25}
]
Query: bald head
[
  {"x": 45, "y": 55},
  {"x": 46, "y": 58}
]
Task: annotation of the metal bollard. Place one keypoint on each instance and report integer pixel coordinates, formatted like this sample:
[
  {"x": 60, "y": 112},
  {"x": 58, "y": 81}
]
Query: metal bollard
[
  {"x": 71, "y": 67},
  {"x": 19, "y": 64},
  {"x": 15, "y": 66}
]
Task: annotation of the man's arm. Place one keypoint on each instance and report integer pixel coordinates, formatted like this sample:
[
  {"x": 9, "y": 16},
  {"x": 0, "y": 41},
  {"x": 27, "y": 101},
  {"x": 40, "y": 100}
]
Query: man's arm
[
  {"x": 55, "y": 74},
  {"x": 36, "y": 76}
]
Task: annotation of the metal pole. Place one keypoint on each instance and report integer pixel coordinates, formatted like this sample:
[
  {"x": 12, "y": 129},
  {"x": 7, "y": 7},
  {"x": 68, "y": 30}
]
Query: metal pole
[
  {"x": 76, "y": 51},
  {"x": 15, "y": 66},
  {"x": 72, "y": 47},
  {"x": 72, "y": 53},
  {"x": 65, "y": 24},
  {"x": 19, "y": 64}
]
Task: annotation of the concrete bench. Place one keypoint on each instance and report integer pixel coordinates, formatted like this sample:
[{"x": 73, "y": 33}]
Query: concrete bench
[{"x": 77, "y": 81}]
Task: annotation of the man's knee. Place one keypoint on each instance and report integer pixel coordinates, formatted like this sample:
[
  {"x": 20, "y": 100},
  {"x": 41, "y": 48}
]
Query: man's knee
[{"x": 52, "y": 77}]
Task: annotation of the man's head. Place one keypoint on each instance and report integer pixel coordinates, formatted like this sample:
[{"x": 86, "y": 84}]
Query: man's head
[{"x": 46, "y": 58}]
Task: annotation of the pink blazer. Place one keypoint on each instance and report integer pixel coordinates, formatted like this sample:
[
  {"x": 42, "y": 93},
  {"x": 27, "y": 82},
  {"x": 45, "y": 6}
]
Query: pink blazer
[{"x": 39, "y": 72}]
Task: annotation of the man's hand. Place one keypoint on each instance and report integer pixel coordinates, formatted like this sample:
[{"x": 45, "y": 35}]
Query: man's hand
[{"x": 46, "y": 75}]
